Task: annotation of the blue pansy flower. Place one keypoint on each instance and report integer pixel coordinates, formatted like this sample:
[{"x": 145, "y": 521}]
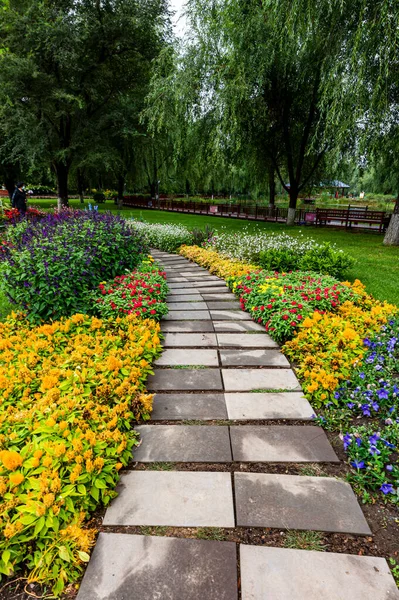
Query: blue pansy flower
[
  {"x": 387, "y": 488},
  {"x": 358, "y": 464}
]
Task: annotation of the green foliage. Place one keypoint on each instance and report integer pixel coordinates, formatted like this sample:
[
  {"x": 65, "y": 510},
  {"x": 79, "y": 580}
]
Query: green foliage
[
  {"x": 200, "y": 236},
  {"x": 304, "y": 540},
  {"x": 168, "y": 238},
  {"x": 99, "y": 197}
]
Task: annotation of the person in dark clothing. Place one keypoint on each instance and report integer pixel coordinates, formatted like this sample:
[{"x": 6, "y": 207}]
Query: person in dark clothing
[{"x": 19, "y": 198}]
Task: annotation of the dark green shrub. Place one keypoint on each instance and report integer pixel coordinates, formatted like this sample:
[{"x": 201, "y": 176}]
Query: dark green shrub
[{"x": 99, "y": 197}]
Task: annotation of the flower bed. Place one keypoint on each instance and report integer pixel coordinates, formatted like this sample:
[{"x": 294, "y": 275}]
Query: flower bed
[
  {"x": 70, "y": 393},
  {"x": 53, "y": 264},
  {"x": 166, "y": 237}
]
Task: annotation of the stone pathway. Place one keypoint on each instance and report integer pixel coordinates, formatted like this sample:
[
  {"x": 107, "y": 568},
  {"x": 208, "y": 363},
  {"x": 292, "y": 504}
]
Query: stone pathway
[{"x": 218, "y": 380}]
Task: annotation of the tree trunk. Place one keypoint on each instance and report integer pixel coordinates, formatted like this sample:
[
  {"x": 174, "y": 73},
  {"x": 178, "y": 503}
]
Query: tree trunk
[
  {"x": 62, "y": 171},
  {"x": 292, "y": 206},
  {"x": 153, "y": 189},
  {"x": 392, "y": 235},
  {"x": 272, "y": 187},
  {"x": 80, "y": 181},
  {"x": 121, "y": 187}
]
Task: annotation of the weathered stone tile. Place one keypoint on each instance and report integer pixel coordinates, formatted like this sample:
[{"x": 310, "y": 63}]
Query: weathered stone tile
[
  {"x": 284, "y": 405},
  {"x": 183, "y": 443},
  {"x": 228, "y": 305},
  {"x": 185, "y": 285},
  {"x": 176, "y": 279},
  {"x": 239, "y": 326},
  {"x": 245, "y": 340},
  {"x": 218, "y": 296},
  {"x": 217, "y": 288},
  {"x": 187, "y": 306},
  {"x": 188, "y": 407},
  {"x": 188, "y": 356},
  {"x": 285, "y": 574},
  {"x": 183, "y": 292},
  {"x": 185, "y": 379},
  {"x": 128, "y": 567},
  {"x": 187, "y": 340},
  {"x": 191, "y": 297},
  {"x": 187, "y": 326},
  {"x": 247, "y": 380},
  {"x": 281, "y": 443},
  {"x": 245, "y": 357},
  {"x": 174, "y": 498},
  {"x": 296, "y": 502},
  {"x": 187, "y": 315},
  {"x": 230, "y": 315},
  {"x": 208, "y": 284}
]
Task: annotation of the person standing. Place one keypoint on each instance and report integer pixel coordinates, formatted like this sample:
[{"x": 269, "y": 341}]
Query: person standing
[{"x": 19, "y": 198}]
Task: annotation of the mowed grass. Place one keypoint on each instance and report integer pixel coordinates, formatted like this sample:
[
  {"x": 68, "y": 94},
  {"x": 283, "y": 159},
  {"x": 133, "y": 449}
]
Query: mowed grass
[{"x": 377, "y": 266}]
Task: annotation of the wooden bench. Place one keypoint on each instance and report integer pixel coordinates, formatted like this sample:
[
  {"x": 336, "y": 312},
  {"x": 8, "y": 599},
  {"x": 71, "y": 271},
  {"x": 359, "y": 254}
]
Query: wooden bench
[{"x": 352, "y": 217}]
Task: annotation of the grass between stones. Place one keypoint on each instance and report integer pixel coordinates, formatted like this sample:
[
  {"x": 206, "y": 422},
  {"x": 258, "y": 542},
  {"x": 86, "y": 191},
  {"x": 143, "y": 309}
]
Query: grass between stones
[{"x": 305, "y": 540}]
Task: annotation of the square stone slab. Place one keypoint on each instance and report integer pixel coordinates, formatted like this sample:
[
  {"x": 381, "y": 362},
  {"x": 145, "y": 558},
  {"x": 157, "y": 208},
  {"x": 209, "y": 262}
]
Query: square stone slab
[
  {"x": 247, "y": 380},
  {"x": 245, "y": 340},
  {"x": 187, "y": 305},
  {"x": 178, "y": 407},
  {"x": 183, "y": 299},
  {"x": 245, "y": 357},
  {"x": 238, "y": 326},
  {"x": 132, "y": 567},
  {"x": 230, "y": 315},
  {"x": 187, "y": 326},
  {"x": 174, "y": 498},
  {"x": 188, "y": 356},
  {"x": 281, "y": 443},
  {"x": 187, "y": 340},
  {"x": 185, "y": 379},
  {"x": 187, "y": 315},
  {"x": 183, "y": 443},
  {"x": 284, "y": 405},
  {"x": 219, "y": 296},
  {"x": 221, "y": 305},
  {"x": 285, "y": 574},
  {"x": 296, "y": 502}
]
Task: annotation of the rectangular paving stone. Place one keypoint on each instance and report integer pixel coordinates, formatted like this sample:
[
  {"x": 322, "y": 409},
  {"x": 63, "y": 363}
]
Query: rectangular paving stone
[
  {"x": 281, "y": 443},
  {"x": 230, "y": 315},
  {"x": 185, "y": 285},
  {"x": 176, "y": 279},
  {"x": 218, "y": 296},
  {"x": 187, "y": 306},
  {"x": 220, "y": 305},
  {"x": 182, "y": 299},
  {"x": 247, "y": 380},
  {"x": 239, "y": 326},
  {"x": 188, "y": 356},
  {"x": 185, "y": 379},
  {"x": 287, "y": 574},
  {"x": 132, "y": 567},
  {"x": 297, "y": 502},
  {"x": 187, "y": 326},
  {"x": 173, "y": 498},
  {"x": 187, "y": 315},
  {"x": 284, "y": 405},
  {"x": 208, "y": 284},
  {"x": 245, "y": 340},
  {"x": 252, "y": 358},
  {"x": 183, "y": 292},
  {"x": 187, "y": 340},
  {"x": 217, "y": 289},
  {"x": 188, "y": 406},
  {"x": 183, "y": 443}
]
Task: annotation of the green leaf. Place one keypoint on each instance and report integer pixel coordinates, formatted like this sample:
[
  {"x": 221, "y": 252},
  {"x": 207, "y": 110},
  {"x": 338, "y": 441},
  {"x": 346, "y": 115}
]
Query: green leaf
[
  {"x": 64, "y": 554},
  {"x": 84, "y": 556},
  {"x": 100, "y": 484}
]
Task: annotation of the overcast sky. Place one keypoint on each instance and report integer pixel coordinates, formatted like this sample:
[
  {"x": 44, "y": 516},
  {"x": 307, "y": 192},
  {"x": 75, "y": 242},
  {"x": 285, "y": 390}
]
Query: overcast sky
[{"x": 179, "y": 20}]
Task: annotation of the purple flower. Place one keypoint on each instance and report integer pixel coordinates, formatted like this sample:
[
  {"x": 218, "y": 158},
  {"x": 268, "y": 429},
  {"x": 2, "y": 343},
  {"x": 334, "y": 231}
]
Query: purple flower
[
  {"x": 350, "y": 405},
  {"x": 387, "y": 488},
  {"x": 374, "y": 451},
  {"x": 373, "y": 439},
  {"x": 358, "y": 464},
  {"x": 362, "y": 375},
  {"x": 389, "y": 467},
  {"x": 382, "y": 394}
]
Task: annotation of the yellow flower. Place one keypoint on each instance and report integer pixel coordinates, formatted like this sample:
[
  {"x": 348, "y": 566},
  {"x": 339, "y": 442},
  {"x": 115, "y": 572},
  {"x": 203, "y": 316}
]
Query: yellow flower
[
  {"x": 16, "y": 478},
  {"x": 10, "y": 459}
]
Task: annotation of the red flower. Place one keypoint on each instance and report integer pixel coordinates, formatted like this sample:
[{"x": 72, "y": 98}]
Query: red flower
[{"x": 285, "y": 317}]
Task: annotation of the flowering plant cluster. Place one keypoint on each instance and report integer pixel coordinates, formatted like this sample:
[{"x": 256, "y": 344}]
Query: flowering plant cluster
[
  {"x": 166, "y": 237},
  {"x": 70, "y": 391},
  {"x": 217, "y": 264},
  {"x": 53, "y": 264},
  {"x": 141, "y": 293},
  {"x": 32, "y": 214}
]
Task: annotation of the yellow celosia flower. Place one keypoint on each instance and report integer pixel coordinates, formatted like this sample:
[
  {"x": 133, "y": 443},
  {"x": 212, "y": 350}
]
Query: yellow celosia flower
[
  {"x": 11, "y": 459},
  {"x": 16, "y": 478}
]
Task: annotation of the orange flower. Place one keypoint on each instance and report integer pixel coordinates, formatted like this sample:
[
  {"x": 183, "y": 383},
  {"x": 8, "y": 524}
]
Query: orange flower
[
  {"x": 16, "y": 478},
  {"x": 10, "y": 459}
]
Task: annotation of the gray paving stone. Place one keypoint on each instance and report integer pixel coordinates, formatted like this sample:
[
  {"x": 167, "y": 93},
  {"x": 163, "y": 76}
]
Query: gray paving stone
[
  {"x": 185, "y": 379},
  {"x": 174, "y": 498},
  {"x": 187, "y": 326},
  {"x": 187, "y": 315},
  {"x": 187, "y": 340},
  {"x": 230, "y": 315},
  {"x": 218, "y": 289},
  {"x": 185, "y": 285},
  {"x": 220, "y": 305},
  {"x": 128, "y": 567},
  {"x": 185, "y": 298},
  {"x": 245, "y": 340},
  {"x": 245, "y": 357},
  {"x": 190, "y": 270},
  {"x": 281, "y": 443},
  {"x": 183, "y": 292},
  {"x": 188, "y": 356},
  {"x": 283, "y": 405},
  {"x": 183, "y": 443},
  {"x": 208, "y": 284},
  {"x": 285, "y": 574},
  {"x": 176, "y": 279},
  {"x": 187, "y": 306},
  {"x": 237, "y": 326},
  {"x": 296, "y": 502},
  {"x": 188, "y": 407},
  {"x": 226, "y": 296},
  {"x": 247, "y": 380}
]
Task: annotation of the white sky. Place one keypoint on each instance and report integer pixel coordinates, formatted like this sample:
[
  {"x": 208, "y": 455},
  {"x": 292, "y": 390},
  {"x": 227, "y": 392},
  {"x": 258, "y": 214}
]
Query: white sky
[{"x": 179, "y": 21}]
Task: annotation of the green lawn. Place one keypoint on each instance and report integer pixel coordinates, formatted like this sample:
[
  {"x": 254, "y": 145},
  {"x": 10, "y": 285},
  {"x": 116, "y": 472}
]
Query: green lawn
[{"x": 376, "y": 266}]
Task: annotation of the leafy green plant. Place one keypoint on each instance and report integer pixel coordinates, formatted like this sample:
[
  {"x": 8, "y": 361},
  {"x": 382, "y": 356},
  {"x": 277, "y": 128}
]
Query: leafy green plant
[
  {"x": 201, "y": 236},
  {"x": 99, "y": 197},
  {"x": 326, "y": 260}
]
